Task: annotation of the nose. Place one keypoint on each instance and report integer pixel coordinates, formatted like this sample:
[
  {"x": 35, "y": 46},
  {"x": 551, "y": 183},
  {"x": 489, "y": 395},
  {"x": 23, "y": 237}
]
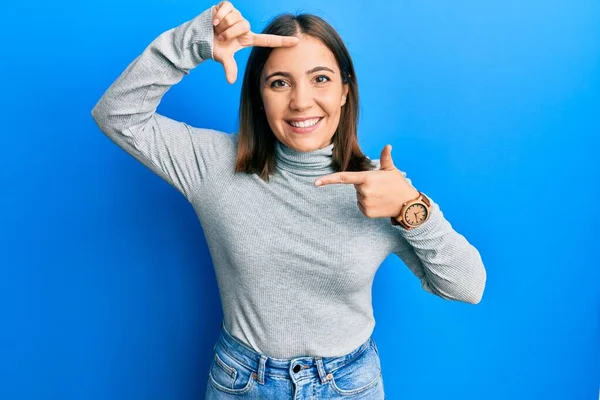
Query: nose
[{"x": 302, "y": 98}]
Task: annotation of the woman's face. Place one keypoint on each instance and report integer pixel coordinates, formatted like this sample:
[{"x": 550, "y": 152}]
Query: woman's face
[{"x": 301, "y": 85}]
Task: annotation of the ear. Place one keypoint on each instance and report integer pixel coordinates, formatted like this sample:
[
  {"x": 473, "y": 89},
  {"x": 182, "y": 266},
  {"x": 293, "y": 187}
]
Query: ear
[{"x": 345, "y": 88}]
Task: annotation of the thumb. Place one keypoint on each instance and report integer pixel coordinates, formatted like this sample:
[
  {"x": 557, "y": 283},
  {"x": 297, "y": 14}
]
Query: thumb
[
  {"x": 230, "y": 69},
  {"x": 385, "y": 160}
]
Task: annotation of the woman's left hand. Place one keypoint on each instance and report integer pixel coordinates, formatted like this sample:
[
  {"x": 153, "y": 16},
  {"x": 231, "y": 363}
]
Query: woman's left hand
[{"x": 379, "y": 193}]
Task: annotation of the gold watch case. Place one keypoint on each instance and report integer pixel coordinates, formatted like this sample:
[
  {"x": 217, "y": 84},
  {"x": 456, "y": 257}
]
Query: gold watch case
[{"x": 414, "y": 212}]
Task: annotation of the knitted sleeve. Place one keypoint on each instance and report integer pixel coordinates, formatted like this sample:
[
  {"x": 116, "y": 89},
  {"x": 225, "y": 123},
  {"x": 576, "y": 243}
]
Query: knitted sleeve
[
  {"x": 444, "y": 261},
  {"x": 126, "y": 112}
]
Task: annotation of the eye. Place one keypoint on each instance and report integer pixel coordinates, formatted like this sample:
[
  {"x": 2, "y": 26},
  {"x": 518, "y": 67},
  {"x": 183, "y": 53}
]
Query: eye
[
  {"x": 322, "y": 76},
  {"x": 273, "y": 84}
]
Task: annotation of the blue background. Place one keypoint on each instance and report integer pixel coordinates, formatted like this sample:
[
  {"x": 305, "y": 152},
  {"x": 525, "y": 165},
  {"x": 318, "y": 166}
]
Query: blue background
[{"x": 107, "y": 289}]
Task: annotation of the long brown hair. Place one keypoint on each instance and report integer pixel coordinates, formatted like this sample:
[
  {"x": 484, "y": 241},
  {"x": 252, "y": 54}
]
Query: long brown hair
[{"x": 256, "y": 145}]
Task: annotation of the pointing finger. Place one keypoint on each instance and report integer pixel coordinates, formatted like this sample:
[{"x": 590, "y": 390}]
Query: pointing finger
[
  {"x": 266, "y": 40},
  {"x": 356, "y": 178}
]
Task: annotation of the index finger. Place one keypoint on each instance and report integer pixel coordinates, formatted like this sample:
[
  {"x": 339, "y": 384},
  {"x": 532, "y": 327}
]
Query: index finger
[
  {"x": 356, "y": 178},
  {"x": 267, "y": 40}
]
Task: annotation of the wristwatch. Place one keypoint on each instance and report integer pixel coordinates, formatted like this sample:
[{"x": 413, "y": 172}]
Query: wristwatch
[{"x": 413, "y": 212}]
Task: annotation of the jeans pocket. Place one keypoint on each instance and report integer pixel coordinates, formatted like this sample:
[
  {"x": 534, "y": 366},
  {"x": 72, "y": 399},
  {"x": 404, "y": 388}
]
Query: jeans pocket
[
  {"x": 228, "y": 375},
  {"x": 357, "y": 376}
]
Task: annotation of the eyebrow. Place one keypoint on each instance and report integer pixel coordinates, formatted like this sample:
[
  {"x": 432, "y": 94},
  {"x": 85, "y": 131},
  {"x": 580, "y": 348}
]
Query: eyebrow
[{"x": 310, "y": 71}]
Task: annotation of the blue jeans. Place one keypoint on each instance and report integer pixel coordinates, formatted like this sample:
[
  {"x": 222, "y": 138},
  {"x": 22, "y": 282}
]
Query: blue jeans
[{"x": 238, "y": 372}]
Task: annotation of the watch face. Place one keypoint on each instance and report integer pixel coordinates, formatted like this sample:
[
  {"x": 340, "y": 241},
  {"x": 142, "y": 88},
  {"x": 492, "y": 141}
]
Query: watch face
[{"x": 415, "y": 215}]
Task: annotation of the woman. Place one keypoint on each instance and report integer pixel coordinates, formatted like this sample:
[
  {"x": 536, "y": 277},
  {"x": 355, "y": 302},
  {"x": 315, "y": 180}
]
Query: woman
[{"x": 294, "y": 260}]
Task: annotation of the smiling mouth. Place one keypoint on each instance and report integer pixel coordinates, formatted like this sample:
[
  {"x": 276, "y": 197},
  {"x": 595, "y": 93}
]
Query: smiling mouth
[{"x": 305, "y": 124}]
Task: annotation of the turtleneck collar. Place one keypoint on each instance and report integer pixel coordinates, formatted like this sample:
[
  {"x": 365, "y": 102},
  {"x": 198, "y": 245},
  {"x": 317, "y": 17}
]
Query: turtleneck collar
[{"x": 310, "y": 163}]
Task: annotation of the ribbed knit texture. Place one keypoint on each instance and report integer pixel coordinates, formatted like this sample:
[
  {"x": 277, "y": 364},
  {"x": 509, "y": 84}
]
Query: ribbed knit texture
[{"x": 294, "y": 262}]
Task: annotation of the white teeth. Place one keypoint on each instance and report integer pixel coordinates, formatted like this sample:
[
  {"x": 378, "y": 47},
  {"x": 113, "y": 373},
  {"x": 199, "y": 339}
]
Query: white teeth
[{"x": 305, "y": 124}]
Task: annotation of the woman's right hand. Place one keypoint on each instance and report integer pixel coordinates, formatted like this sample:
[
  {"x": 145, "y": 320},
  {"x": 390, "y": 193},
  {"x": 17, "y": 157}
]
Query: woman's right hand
[{"x": 232, "y": 33}]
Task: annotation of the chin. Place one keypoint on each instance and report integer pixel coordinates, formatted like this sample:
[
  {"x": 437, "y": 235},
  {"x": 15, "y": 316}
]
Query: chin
[{"x": 307, "y": 144}]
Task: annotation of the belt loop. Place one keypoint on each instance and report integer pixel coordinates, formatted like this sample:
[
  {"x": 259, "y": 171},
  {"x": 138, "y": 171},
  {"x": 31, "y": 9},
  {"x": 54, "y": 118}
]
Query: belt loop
[
  {"x": 321, "y": 369},
  {"x": 261, "y": 369}
]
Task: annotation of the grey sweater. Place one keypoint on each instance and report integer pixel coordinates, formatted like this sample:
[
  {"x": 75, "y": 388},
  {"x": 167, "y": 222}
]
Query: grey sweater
[{"x": 294, "y": 262}]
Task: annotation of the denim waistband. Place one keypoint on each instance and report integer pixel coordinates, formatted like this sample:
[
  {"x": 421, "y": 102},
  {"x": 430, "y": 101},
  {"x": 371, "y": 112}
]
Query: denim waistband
[{"x": 288, "y": 367}]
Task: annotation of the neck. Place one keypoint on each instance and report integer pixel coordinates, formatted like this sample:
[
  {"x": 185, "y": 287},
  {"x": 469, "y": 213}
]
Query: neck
[{"x": 308, "y": 163}]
